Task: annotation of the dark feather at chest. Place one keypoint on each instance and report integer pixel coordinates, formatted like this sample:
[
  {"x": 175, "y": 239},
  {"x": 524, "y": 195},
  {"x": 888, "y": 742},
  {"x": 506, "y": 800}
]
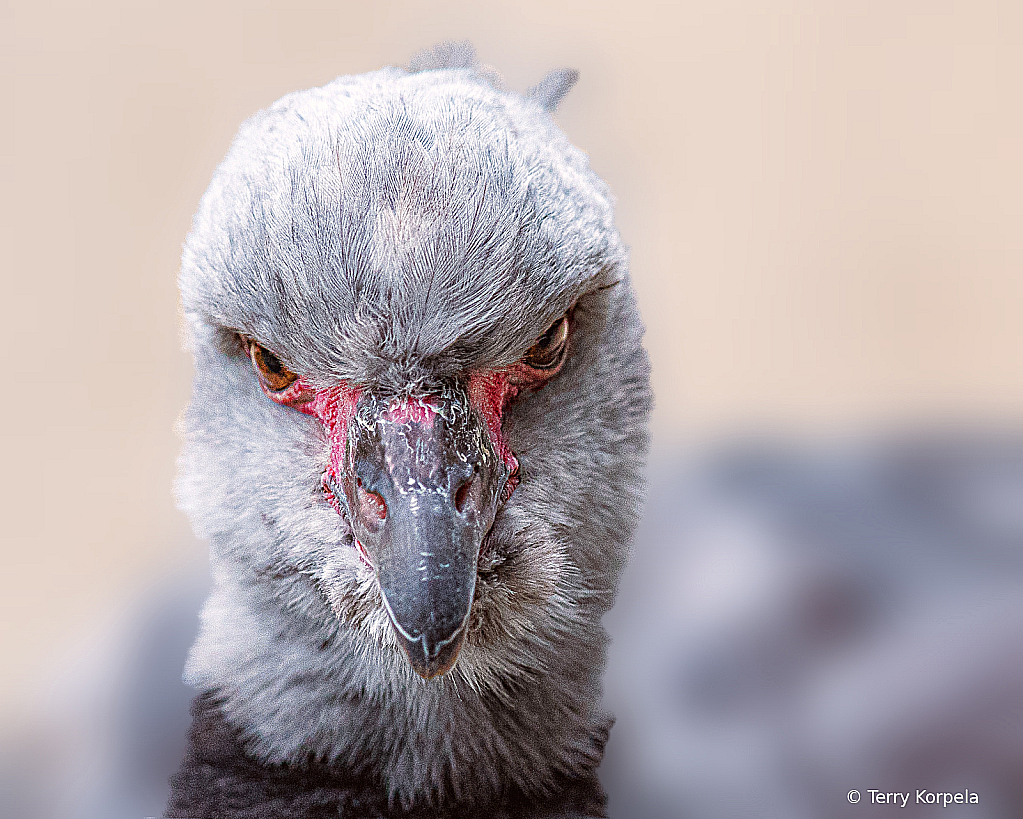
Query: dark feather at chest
[{"x": 218, "y": 780}]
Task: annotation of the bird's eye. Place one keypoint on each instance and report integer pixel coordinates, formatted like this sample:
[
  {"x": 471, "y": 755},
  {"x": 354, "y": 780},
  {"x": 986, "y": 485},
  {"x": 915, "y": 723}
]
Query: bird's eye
[
  {"x": 549, "y": 349},
  {"x": 274, "y": 375}
]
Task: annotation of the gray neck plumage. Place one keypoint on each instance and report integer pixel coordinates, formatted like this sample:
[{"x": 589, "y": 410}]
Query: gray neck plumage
[{"x": 302, "y": 687}]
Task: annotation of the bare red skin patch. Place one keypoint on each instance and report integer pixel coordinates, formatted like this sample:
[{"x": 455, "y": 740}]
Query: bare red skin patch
[
  {"x": 490, "y": 392},
  {"x": 419, "y": 409},
  {"x": 335, "y": 408}
]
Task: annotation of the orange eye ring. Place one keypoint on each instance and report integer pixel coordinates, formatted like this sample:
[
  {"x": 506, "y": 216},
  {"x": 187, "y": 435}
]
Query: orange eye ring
[{"x": 274, "y": 375}]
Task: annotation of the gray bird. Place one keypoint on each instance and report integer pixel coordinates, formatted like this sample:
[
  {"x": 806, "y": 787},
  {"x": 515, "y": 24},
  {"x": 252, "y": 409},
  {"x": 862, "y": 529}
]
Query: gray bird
[{"x": 415, "y": 442}]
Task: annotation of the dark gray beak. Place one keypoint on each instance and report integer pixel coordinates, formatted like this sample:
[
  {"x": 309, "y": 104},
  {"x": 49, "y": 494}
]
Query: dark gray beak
[{"x": 422, "y": 482}]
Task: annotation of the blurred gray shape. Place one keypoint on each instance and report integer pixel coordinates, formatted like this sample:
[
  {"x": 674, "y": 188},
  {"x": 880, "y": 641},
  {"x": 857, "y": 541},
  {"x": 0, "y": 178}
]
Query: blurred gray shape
[{"x": 801, "y": 618}]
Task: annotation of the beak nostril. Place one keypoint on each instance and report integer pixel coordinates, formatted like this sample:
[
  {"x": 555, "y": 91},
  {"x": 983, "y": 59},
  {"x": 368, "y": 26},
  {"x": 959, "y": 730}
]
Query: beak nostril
[
  {"x": 465, "y": 490},
  {"x": 372, "y": 507}
]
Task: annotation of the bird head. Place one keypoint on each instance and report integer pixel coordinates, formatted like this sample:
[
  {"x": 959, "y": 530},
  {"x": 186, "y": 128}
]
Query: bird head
[{"x": 420, "y": 400}]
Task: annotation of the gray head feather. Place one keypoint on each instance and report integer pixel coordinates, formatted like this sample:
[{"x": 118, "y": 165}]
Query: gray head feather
[
  {"x": 551, "y": 90},
  {"x": 396, "y": 231},
  {"x": 456, "y": 54}
]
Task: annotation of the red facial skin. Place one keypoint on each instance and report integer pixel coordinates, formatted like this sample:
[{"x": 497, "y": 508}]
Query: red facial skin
[{"x": 490, "y": 392}]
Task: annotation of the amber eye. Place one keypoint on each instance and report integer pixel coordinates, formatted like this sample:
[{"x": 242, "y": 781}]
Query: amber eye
[
  {"x": 550, "y": 348},
  {"x": 274, "y": 375}
]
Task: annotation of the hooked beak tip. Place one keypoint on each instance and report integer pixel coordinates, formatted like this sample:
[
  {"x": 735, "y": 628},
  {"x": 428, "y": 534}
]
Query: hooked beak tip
[
  {"x": 432, "y": 659},
  {"x": 433, "y": 651}
]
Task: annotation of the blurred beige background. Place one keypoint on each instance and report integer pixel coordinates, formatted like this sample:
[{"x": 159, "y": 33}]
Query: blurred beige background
[{"x": 823, "y": 201}]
